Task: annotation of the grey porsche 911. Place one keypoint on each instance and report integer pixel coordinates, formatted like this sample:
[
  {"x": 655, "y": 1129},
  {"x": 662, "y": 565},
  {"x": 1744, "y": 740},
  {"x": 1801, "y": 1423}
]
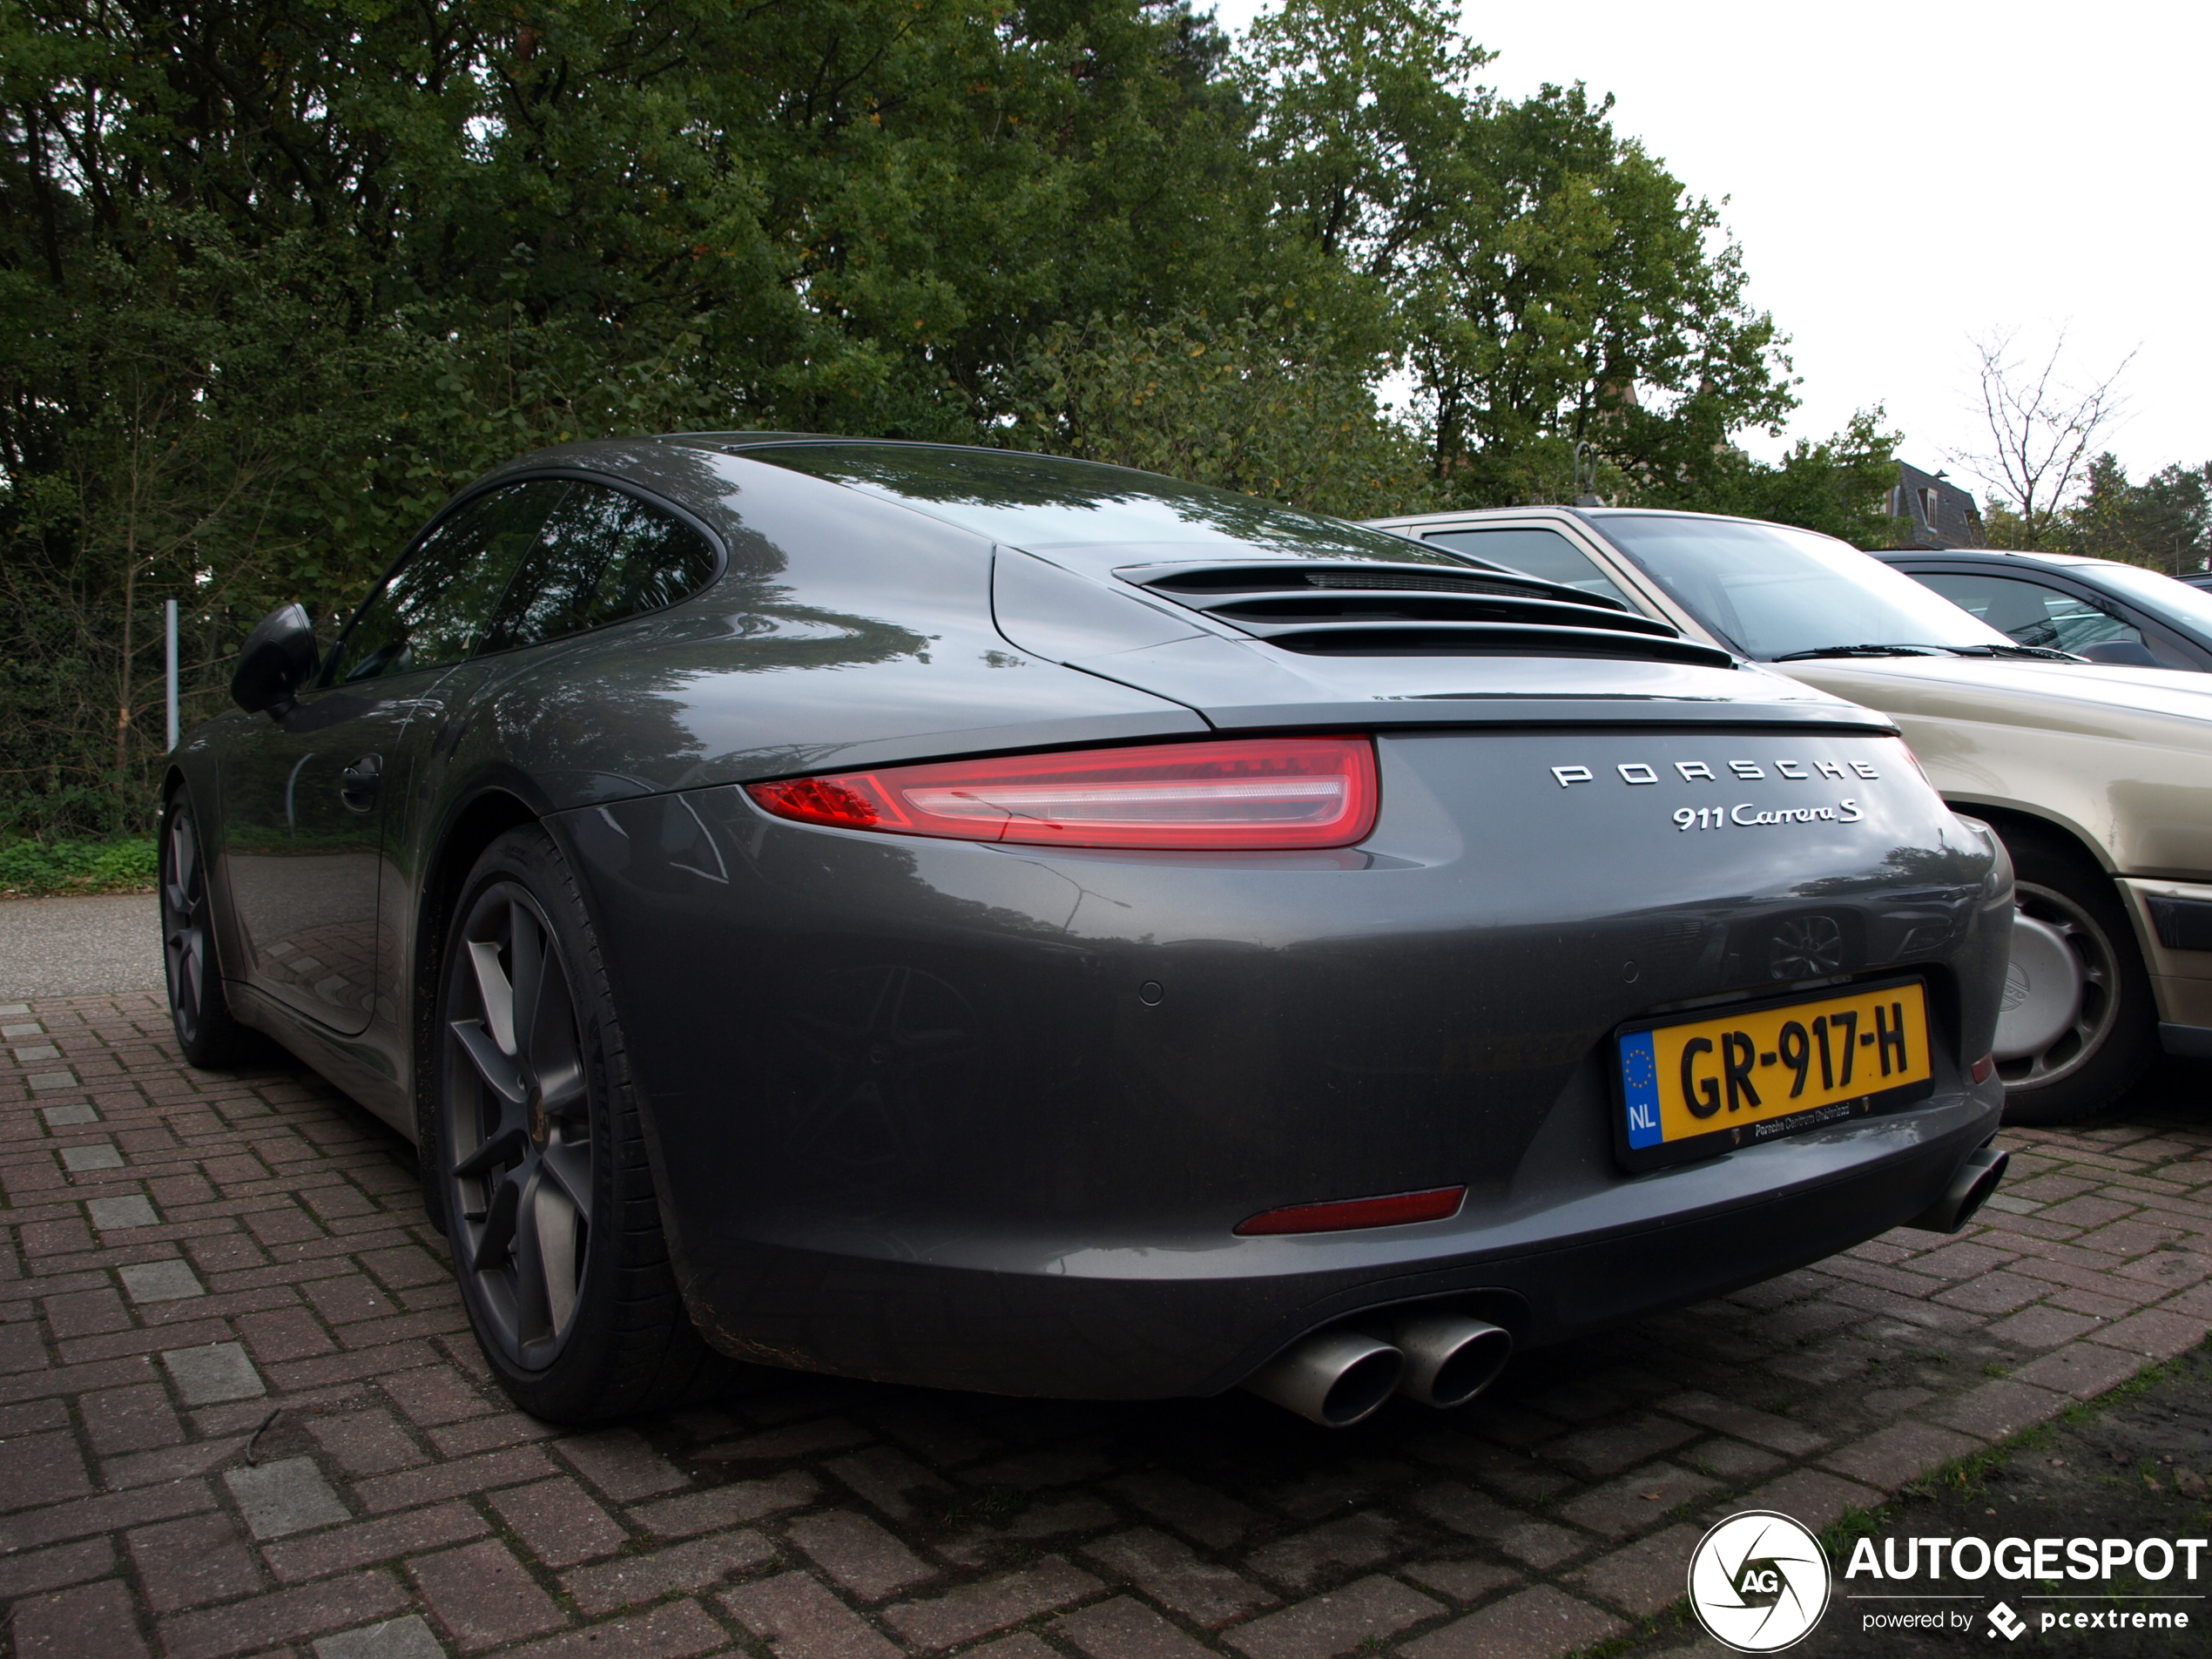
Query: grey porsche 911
[{"x": 995, "y": 923}]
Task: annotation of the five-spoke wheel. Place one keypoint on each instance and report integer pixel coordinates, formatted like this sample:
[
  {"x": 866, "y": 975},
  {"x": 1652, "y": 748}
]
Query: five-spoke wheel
[
  {"x": 197, "y": 1009},
  {"x": 534, "y": 1155},
  {"x": 519, "y": 1148}
]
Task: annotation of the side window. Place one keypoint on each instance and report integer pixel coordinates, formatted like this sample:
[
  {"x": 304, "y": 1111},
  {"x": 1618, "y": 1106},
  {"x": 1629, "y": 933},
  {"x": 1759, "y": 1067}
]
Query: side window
[
  {"x": 2031, "y": 614},
  {"x": 1542, "y": 553},
  {"x": 605, "y": 556},
  {"x": 434, "y": 608}
]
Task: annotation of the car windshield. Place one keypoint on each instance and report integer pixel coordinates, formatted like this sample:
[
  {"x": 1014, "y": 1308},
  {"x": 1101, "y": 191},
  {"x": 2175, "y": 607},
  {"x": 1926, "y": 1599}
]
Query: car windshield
[
  {"x": 1772, "y": 592},
  {"x": 2156, "y": 592}
]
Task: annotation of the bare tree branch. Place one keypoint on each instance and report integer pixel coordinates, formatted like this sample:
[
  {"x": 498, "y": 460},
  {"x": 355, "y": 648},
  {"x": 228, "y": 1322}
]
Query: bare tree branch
[{"x": 2042, "y": 429}]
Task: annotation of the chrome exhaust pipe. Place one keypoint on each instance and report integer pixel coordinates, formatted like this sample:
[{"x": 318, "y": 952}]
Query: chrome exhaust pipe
[
  {"x": 1969, "y": 1189},
  {"x": 1449, "y": 1358},
  {"x": 1332, "y": 1378}
]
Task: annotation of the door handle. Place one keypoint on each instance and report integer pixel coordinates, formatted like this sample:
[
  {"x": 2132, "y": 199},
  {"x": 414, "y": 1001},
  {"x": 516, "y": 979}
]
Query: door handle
[{"x": 358, "y": 783}]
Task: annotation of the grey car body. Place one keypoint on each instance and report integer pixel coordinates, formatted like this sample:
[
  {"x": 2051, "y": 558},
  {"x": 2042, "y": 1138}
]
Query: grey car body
[{"x": 988, "y": 1116}]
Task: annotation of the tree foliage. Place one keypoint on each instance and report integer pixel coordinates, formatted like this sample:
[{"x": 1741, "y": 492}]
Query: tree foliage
[{"x": 276, "y": 277}]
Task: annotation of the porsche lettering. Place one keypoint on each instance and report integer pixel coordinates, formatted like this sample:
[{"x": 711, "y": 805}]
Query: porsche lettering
[{"x": 1699, "y": 771}]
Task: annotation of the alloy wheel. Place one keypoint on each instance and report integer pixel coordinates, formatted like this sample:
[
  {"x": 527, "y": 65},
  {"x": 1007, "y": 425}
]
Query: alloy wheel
[
  {"x": 518, "y": 1126},
  {"x": 185, "y": 923},
  {"x": 2098, "y": 966}
]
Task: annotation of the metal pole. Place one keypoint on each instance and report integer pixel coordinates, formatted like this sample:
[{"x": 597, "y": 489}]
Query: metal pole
[{"x": 169, "y": 626}]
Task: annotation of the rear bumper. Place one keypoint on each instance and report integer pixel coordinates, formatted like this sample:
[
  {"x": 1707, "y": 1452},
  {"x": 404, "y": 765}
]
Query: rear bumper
[
  {"x": 986, "y": 1118},
  {"x": 1036, "y": 1316}
]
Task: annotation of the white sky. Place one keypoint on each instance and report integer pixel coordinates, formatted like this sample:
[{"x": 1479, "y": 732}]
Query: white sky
[{"x": 1904, "y": 177}]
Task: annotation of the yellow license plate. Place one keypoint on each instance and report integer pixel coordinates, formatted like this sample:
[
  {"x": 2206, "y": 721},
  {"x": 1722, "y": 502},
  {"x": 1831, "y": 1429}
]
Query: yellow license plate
[{"x": 1750, "y": 1074}]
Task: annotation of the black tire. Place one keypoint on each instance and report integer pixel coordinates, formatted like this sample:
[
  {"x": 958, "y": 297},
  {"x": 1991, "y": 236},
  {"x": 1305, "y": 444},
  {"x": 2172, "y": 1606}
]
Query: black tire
[
  {"x": 200, "y": 1013},
  {"x": 2115, "y": 1040},
  {"x": 539, "y": 1158}
]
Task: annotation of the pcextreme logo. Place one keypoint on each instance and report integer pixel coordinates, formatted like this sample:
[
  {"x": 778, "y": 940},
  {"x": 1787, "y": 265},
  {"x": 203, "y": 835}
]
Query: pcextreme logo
[{"x": 1758, "y": 1582}]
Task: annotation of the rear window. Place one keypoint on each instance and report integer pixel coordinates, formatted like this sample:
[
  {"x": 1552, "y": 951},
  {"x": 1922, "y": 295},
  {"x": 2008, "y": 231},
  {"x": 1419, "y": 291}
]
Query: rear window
[{"x": 1040, "y": 501}]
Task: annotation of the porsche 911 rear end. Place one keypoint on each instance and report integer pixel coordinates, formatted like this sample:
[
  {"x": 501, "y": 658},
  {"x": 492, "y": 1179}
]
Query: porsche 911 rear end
[{"x": 1099, "y": 938}]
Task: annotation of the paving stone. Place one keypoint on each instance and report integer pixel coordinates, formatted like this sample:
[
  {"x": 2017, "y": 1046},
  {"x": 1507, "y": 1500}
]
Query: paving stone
[
  {"x": 652, "y": 1573},
  {"x": 342, "y": 1548},
  {"x": 991, "y": 1604},
  {"x": 91, "y": 1621},
  {"x": 1347, "y": 1545},
  {"x": 166, "y": 1281},
  {"x": 1745, "y": 1422},
  {"x": 1170, "y": 1572},
  {"x": 1644, "y": 1577},
  {"x": 2083, "y": 1370},
  {"x": 1619, "y": 1445},
  {"x": 1891, "y": 1457},
  {"x": 800, "y": 1619},
  {"x": 1998, "y": 1410},
  {"x": 403, "y": 1638},
  {"x": 1534, "y": 1624},
  {"x": 1527, "y": 1540},
  {"x": 621, "y": 1464},
  {"x": 1463, "y": 1581},
  {"x": 558, "y": 1522},
  {"x": 1367, "y": 1610},
  {"x": 725, "y": 1506},
  {"x": 2153, "y": 1334},
  {"x": 1637, "y": 1501},
  {"x": 1811, "y": 1497},
  {"x": 676, "y": 1631},
  {"x": 52, "y": 1569},
  {"x": 859, "y": 1554},
  {"x": 366, "y": 1442},
  {"x": 41, "y": 1469},
  {"x": 287, "y": 1616},
  {"x": 193, "y": 1561},
  {"x": 1123, "y": 1629},
  {"x": 103, "y": 1154},
  {"x": 1196, "y": 1511},
  {"x": 281, "y": 1498},
  {"x": 217, "y": 1371},
  {"x": 119, "y": 1215},
  {"x": 482, "y": 1596}
]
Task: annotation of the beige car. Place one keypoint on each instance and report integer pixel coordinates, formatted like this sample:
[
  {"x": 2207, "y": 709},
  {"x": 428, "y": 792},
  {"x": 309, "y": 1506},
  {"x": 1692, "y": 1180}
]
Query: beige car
[{"x": 2097, "y": 777}]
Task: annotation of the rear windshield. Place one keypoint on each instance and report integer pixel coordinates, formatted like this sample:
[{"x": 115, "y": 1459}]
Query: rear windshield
[{"x": 1039, "y": 500}]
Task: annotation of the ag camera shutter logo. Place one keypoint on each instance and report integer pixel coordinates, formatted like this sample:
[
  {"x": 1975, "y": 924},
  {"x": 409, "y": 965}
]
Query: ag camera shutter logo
[{"x": 1758, "y": 1582}]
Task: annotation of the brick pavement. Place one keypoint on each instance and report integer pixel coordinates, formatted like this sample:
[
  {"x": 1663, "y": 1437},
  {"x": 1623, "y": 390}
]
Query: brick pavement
[{"x": 240, "y": 1414}]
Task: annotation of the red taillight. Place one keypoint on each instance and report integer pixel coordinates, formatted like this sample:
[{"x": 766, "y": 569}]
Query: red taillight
[
  {"x": 1438, "y": 1203},
  {"x": 1983, "y": 1067},
  {"x": 1236, "y": 794}
]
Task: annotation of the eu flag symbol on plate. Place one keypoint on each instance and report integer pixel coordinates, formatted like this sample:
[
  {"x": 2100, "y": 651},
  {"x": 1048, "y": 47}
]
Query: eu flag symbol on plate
[{"x": 1640, "y": 1089}]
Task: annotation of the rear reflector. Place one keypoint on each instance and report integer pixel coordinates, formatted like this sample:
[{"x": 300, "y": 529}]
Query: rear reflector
[
  {"x": 1439, "y": 1204},
  {"x": 1241, "y": 793},
  {"x": 1983, "y": 1067}
]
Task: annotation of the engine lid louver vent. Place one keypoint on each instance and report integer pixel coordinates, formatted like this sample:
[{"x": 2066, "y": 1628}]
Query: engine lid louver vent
[{"x": 1377, "y": 609}]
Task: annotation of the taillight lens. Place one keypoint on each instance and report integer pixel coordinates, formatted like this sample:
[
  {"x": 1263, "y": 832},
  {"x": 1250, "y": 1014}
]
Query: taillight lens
[{"x": 1238, "y": 793}]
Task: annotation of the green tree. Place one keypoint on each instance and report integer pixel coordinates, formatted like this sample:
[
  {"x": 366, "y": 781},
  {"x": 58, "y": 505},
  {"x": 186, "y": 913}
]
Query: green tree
[{"x": 1550, "y": 282}]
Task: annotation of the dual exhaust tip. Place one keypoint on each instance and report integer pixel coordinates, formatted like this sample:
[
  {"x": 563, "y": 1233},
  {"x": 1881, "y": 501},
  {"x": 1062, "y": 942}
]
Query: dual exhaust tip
[
  {"x": 1339, "y": 1376},
  {"x": 1969, "y": 1189}
]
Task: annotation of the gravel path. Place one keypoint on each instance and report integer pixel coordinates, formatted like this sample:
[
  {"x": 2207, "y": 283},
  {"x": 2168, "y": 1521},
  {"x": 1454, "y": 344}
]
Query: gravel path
[{"x": 89, "y": 945}]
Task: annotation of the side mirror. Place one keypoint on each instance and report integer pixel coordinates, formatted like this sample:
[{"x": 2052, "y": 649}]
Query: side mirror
[{"x": 278, "y": 658}]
